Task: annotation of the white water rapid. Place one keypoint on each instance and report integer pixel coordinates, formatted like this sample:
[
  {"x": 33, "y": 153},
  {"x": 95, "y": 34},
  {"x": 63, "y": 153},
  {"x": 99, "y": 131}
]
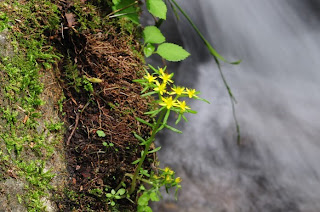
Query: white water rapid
[{"x": 277, "y": 86}]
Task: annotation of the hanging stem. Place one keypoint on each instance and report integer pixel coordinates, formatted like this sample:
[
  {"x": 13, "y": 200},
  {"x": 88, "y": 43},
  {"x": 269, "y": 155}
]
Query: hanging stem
[
  {"x": 146, "y": 149},
  {"x": 216, "y": 57}
]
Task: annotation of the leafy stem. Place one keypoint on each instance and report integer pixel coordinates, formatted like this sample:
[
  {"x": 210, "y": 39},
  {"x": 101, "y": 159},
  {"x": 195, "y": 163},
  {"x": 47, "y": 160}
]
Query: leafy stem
[{"x": 149, "y": 142}]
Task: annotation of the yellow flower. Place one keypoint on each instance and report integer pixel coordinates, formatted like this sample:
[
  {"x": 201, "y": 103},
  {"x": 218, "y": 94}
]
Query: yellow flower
[
  {"x": 167, "y": 169},
  {"x": 160, "y": 88},
  {"x": 177, "y": 90},
  {"x": 167, "y": 102},
  {"x": 161, "y": 71},
  {"x": 166, "y": 77},
  {"x": 150, "y": 78},
  {"x": 168, "y": 179},
  {"x": 178, "y": 180},
  {"x": 182, "y": 105},
  {"x": 191, "y": 92}
]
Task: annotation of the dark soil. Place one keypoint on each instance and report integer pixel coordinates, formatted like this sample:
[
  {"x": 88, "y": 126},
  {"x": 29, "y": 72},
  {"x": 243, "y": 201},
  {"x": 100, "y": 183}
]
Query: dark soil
[{"x": 109, "y": 55}]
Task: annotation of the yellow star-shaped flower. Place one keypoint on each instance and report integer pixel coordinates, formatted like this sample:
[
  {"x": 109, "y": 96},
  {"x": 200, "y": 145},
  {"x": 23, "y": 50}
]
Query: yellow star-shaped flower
[
  {"x": 191, "y": 92},
  {"x": 161, "y": 71},
  {"x": 168, "y": 103},
  {"x": 178, "y": 180},
  {"x": 166, "y": 77},
  {"x": 182, "y": 105},
  {"x": 161, "y": 88},
  {"x": 177, "y": 90},
  {"x": 150, "y": 78}
]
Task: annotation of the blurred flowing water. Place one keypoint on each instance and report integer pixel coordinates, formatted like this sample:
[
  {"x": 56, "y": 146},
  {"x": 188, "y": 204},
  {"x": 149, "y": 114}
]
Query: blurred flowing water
[{"x": 277, "y": 167}]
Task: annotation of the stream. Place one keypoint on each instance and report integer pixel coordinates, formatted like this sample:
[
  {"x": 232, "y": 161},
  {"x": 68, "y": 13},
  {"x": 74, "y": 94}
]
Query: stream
[{"x": 277, "y": 166}]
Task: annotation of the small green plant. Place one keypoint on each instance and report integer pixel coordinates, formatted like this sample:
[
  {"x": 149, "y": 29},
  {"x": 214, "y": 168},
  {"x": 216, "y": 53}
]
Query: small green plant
[
  {"x": 108, "y": 144},
  {"x": 169, "y": 51},
  {"x": 170, "y": 99},
  {"x": 100, "y": 133},
  {"x": 166, "y": 178},
  {"x": 115, "y": 195},
  {"x": 97, "y": 192}
]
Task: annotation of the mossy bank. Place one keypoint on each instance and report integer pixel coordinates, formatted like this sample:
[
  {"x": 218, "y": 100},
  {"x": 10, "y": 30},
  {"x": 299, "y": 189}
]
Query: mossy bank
[{"x": 67, "y": 105}]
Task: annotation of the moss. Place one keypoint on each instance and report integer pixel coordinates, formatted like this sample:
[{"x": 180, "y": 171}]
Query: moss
[
  {"x": 27, "y": 144},
  {"x": 41, "y": 41}
]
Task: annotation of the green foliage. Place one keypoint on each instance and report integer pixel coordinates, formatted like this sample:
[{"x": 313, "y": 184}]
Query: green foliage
[
  {"x": 100, "y": 133},
  {"x": 115, "y": 195},
  {"x": 26, "y": 147},
  {"x": 87, "y": 18},
  {"x": 170, "y": 99},
  {"x": 148, "y": 49},
  {"x": 4, "y": 21},
  {"x": 152, "y": 34},
  {"x": 157, "y": 8},
  {"x": 172, "y": 52},
  {"x": 75, "y": 80},
  {"x": 97, "y": 192},
  {"x": 52, "y": 126},
  {"x": 107, "y": 144},
  {"x": 169, "y": 51},
  {"x": 127, "y": 8}
]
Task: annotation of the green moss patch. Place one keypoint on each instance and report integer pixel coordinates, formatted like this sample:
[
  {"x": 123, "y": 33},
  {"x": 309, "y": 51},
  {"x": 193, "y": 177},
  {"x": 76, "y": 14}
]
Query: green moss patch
[{"x": 29, "y": 158}]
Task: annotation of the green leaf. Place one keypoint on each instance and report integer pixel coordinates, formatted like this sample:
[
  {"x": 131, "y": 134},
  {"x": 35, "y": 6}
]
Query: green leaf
[
  {"x": 147, "y": 209},
  {"x": 166, "y": 117},
  {"x": 172, "y": 52},
  {"x": 116, "y": 2},
  {"x": 152, "y": 34},
  {"x": 131, "y": 12},
  {"x": 148, "y": 94},
  {"x": 145, "y": 89},
  {"x": 148, "y": 50},
  {"x": 185, "y": 118},
  {"x": 100, "y": 133},
  {"x": 144, "y": 122},
  {"x": 144, "y": 208},
  {"x": 121, "y": 191},
  {"x": 154, "y": 112},
  {"x": 136, "y": 161},
  {"x": 144, "y": 199},
  {"x": 155, "y": 150},
  {"x": 178, "y": 119},
  {"x": 139, "y": 80},
  {"x": 157, "y": 8},
  {"x": 192, "y": 111},
  {"x": 204, "y": 100},
  {"x": 139, "y": 137},
  {"x": 154, "y": 197},
  {"x": 173, "y": 129}
]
